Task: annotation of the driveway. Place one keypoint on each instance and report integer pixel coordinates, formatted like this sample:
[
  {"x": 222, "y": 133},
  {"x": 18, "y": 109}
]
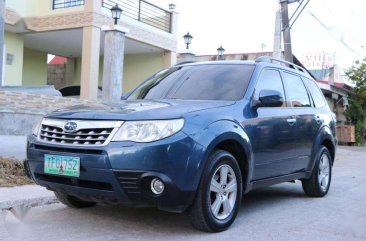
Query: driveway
[{"x": 280, "y": 212}]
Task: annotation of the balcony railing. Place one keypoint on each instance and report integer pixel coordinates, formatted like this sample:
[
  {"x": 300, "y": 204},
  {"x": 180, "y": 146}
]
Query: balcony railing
[
  {"x": 57, "y": 4},
  {"x": 144, "y": 12}
]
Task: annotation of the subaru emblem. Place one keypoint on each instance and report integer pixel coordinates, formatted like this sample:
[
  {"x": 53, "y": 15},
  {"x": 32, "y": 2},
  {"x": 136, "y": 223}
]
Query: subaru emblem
[{"x": 70, "y": 126}]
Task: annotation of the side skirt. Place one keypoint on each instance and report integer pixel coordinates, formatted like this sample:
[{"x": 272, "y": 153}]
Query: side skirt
[{"x": 276, "y": 180}]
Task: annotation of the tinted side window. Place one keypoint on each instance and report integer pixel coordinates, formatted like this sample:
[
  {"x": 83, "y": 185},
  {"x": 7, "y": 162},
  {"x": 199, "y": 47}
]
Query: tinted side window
[
  {"x": 297, "y": 94},
  {"x": 270, "y": 80},
  {"x": 315, "y": 92}
]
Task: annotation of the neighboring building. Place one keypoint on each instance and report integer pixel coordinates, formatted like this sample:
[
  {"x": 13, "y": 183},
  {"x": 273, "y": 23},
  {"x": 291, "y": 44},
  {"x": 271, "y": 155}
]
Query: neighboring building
[
  {"x": 72, "y": 28},
  {"x": 330, "y": 80},
  {"x": 335, "y": 89}
]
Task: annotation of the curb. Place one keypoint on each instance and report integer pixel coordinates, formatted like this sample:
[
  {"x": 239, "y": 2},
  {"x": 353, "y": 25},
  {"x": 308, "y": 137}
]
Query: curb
[{"x": 28, "y": 203}]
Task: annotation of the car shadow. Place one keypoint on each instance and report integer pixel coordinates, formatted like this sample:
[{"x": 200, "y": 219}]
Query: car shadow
[
  {"x": 164, "y": 222},
  {"x": 150, "y": 223}
]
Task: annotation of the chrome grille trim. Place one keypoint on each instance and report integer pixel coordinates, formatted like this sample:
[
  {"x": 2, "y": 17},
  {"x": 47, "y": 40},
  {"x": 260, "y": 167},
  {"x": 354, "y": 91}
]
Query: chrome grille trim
[{"x": 88, "y": 132}]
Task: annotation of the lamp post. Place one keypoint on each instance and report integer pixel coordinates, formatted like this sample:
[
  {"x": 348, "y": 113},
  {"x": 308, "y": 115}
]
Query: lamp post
[
  {"x": 188, "y": 39},
  {"x": 220, "y": 52},
  {"x": 114, "y": 47},
  {"x": 116, "y": 13},
  {"x": 172, "y": 7}
]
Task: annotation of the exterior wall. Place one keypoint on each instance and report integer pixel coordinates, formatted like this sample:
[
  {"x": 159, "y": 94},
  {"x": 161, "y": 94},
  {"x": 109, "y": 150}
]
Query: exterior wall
[
  {"x": 14, "y": 45},
  {"x": 34, "y": 67},
  {"x": 137, "y": 67},
  {"x": 56, "y": 75},
  {"x": 140, "y": 66},
  {"x": 77, "y": 71},
  {"x": 30, "y": 8}
]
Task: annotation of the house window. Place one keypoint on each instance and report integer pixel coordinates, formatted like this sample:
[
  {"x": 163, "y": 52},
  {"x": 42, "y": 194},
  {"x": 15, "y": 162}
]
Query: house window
[
  {"x": 57, "y": 4},
  {"x": 73, "y": 3}
]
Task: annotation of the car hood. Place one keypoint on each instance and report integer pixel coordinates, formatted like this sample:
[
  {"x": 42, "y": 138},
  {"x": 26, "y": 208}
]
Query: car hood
[{"x": 136, "y": 110}]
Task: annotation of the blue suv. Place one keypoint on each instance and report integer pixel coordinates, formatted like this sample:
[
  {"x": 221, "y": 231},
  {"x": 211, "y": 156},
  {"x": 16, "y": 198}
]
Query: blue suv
[{"x": 192, "y": 138}]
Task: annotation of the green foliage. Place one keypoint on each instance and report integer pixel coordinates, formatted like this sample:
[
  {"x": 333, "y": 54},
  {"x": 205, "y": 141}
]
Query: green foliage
[{"x": 356, "y": 111}]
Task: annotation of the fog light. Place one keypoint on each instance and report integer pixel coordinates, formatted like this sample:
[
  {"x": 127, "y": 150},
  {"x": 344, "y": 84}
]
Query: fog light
[{"x": 157, "y": 186}]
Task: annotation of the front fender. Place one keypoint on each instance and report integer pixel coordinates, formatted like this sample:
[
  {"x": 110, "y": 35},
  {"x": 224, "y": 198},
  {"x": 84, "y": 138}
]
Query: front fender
[{"x": 220, "y": 131}]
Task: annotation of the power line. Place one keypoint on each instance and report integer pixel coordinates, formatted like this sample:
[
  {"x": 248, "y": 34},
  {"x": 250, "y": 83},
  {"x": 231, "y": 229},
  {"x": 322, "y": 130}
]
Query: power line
[
  {"x": 329, "y": 31},
  {"x": 335, "y": 17}
]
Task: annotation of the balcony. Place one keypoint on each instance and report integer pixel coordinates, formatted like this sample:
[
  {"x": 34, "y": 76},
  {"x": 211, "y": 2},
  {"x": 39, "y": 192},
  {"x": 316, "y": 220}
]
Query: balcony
[
  {"x": 58, "y": 4},
  {"x": 139, "y": 10},
  {"x": 144, "y": 12}
]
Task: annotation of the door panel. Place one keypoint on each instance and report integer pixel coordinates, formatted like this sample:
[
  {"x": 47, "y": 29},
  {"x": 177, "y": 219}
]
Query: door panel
[
  {"x": 271, "y": 131},
  {"x": 306, "y": 122},
  {"x": 273, "y": 142}
]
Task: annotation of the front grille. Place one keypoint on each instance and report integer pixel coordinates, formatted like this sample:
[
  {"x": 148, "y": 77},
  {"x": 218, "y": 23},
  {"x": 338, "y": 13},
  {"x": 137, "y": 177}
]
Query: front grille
[
  {"x": 86, "y": 133},
  {"x": 81, "y": 137}
]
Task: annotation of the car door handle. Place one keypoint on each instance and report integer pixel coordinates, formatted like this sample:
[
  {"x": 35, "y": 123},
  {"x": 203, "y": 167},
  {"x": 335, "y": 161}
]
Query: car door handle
[
  {"x": 291, "y": 121},
  {"x": 319, "y": 120}
]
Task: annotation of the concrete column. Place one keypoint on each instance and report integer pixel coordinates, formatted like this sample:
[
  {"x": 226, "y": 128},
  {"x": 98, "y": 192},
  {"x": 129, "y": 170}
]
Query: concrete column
[
  {"x": 170, "y": 58},
  {"x": 90, "y": 63},
  {"x": 92, "y": 6},
  {"x": 277, "y": 37},
  {"x": 174, "y": 24},
  {"x": 114, "y": 47},
  {"x": 2, "y": 29}
]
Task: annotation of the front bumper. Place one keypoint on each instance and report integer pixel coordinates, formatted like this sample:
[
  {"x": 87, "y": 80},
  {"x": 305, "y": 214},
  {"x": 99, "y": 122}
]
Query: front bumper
[{"x": 121, "y": 172}]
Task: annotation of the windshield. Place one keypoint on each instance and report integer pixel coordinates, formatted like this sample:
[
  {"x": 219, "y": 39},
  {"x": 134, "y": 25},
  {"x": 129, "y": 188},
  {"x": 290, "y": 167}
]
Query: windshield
[{"x": 197, "y": 82}]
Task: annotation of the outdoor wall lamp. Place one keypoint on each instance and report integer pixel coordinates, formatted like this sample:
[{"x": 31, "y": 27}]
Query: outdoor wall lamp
[
  {"x": 188, "y": 39},
  {"x": 116, "y": 13},
  {"x": 220, "y": 51}
]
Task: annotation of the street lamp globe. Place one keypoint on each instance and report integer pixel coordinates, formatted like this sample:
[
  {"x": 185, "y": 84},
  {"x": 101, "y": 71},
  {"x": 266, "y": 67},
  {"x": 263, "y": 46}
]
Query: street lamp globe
[
  {"x": 188, "y": 40},
  {"x": 172, "y": 7},
  {"x": 116, "y": 13},
  {"x": 220, "y": 51}
]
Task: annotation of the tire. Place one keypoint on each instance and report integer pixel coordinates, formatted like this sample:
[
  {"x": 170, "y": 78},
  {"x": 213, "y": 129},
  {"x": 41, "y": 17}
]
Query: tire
[
  {"x": 73, "y": 202},
  {"x": 217, "y": 199},
  {"x": 319, "y": 182}
]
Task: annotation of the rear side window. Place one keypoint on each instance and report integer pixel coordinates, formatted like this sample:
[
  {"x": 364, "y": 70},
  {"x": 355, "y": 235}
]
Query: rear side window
[
  {"x": 270, "y": 80},
  {"x": 297, "y": 94},
  {"x": 315, "y": 92}
]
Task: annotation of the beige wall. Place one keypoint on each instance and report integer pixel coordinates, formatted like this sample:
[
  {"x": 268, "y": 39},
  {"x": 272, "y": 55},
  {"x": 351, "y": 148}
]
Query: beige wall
[
  {"x": 34, "y": 67},
  {"x": 137, "y": 68},
  {"x": 14, "y": 45},
  {"x": 140, "y": 66},
  {"x": 30, "y": 8}
]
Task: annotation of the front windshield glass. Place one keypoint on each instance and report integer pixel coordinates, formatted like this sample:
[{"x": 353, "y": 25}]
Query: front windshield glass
[{"x": 197, "y": 82}]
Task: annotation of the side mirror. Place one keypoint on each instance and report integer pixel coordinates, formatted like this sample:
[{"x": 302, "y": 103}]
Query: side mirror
[{"x": 269, "y": 98}]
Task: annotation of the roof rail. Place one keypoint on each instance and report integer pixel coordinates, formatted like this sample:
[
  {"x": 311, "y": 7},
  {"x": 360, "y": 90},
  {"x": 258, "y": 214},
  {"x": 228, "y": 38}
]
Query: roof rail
[{"x": 268, "y": 59}]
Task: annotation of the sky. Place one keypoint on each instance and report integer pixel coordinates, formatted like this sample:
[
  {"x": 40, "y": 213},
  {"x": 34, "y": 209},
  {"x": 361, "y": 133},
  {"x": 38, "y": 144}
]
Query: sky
[{"x": 242, "y": 26}]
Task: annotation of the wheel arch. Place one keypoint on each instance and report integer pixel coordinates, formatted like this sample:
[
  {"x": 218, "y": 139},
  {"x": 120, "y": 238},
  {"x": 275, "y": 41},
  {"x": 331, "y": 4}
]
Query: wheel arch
[
  {"x": 230, "y": 136},
  {"x": 324, "y": 138}
]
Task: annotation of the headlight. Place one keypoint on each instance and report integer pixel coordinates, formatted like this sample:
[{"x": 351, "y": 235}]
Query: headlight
[
  {"x": 148, "y": 131},
  {"x": 35, "y": 128}
]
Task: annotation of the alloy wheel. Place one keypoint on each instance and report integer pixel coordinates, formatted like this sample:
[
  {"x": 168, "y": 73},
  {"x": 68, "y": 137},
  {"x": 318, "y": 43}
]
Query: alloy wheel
[{"x": 223, "y": 191}]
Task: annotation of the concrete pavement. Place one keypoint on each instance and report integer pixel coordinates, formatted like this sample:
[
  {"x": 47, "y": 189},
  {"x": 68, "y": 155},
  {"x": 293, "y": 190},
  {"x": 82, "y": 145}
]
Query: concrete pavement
[
  {"x": 280, "y": 212},
  {"x": 27, "y": 195}
]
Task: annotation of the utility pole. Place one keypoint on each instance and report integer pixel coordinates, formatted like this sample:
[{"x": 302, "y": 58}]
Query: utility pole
[
  {"x": 277, "y": 53},
  {"x": 286, "y": 30},
  {"x": 2, "y": 29}
]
